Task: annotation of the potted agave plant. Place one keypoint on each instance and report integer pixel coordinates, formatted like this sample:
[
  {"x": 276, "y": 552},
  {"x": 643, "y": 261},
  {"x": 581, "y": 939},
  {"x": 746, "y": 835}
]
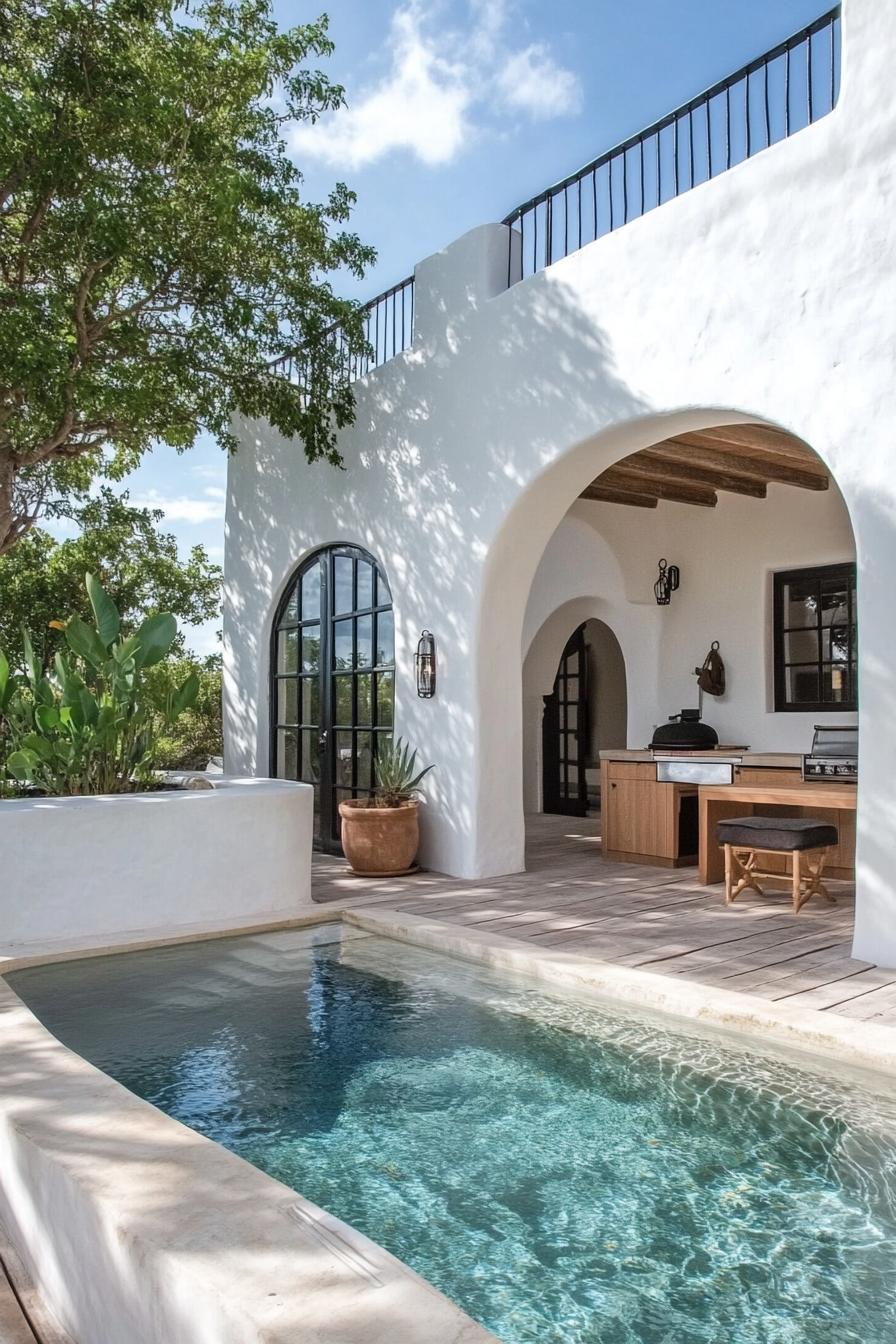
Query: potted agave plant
[{"x": 381, "y": 834}]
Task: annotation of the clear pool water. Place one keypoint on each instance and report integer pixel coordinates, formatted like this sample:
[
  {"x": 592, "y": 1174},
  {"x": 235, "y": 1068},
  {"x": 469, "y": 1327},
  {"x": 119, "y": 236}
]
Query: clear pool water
[{"x": 567, "y": 1173}]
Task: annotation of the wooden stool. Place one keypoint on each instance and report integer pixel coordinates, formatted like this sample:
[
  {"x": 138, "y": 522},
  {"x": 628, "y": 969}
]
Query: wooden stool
[{"x": 806, "y": 839}]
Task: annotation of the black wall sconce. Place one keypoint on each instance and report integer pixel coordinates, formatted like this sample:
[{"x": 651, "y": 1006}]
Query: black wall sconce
[
  {"x": 425, "y": 663},
  {"x": 666, "y": 584}
]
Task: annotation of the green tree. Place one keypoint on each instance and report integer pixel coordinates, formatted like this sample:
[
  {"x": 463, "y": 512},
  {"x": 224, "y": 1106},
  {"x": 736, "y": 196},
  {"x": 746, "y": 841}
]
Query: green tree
[
  {"x": 188, "y": 742},
  {"x": 42, "y": 579},
  {"x": 156, "y": 247}
]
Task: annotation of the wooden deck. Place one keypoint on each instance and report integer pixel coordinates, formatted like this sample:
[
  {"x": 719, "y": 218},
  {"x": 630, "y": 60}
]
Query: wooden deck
[{"x": 658, "y": 919}]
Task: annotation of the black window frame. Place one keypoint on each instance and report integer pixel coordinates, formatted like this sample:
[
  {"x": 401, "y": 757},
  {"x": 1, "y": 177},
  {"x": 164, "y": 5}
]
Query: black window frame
[{"x": 843, "y": 573}]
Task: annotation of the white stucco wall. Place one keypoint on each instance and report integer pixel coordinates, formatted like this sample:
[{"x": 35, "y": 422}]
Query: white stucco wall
[
  {"x": 765, "y": 294},
  {"x": 99, "y": 870}
]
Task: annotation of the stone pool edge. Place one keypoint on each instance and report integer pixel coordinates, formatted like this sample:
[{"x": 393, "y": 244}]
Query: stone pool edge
[
  {"x": 864, "y": 1045},
  {"x": 132, "y": 1226}
]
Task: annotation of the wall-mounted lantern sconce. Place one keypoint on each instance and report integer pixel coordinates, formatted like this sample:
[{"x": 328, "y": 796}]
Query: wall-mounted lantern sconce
[
  {"x": 425, "y": 663},
  {"x": 666, "y": 584}
]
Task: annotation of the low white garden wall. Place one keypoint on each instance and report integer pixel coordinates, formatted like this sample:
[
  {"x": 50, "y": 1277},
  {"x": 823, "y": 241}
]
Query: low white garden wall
[{"x": 96, "y": 870}]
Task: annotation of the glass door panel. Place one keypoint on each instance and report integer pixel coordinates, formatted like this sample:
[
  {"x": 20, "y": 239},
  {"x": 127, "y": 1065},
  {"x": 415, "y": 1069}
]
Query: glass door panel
[
  {"x": 564, "y": 733},
  {"x": 333, "y": 678}
]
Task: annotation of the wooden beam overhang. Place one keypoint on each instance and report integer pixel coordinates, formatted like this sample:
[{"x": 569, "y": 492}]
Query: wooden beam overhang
[
  {"x": 772, "y": 468},
  {"x": 617, "y": 478},
  {"x": 642, "y": 467},
  {"x": 602, "y": 495},
  {"x": 690, "y": 468}
]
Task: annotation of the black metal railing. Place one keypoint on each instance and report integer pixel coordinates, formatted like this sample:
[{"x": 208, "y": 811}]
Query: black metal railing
[
  {"x": 388, "y": 328},
  {"x": 776, "y": 95}
]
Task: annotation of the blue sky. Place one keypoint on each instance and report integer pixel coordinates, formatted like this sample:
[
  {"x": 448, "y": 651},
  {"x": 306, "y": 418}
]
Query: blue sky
[{"x": 458, "y": 111}]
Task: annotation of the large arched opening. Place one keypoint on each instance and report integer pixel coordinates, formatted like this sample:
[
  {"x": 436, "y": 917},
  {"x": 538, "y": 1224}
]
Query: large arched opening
[{"x": 763, "y": 540}]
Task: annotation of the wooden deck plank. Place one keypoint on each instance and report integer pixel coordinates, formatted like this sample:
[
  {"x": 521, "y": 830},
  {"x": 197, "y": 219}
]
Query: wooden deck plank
[{"x": 662, "y": 920}]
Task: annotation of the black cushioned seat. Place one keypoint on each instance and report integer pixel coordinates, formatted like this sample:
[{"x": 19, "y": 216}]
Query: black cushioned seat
[{"x": 777, "y": 833}]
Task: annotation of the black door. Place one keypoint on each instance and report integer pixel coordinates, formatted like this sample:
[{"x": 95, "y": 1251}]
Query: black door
[
  {"x": 565, "y": 733},
  {"x": 333, "y": 680}
]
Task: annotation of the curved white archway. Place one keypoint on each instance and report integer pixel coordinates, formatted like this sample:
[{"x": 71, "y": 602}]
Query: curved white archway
[{"x": 623, "y": 581}]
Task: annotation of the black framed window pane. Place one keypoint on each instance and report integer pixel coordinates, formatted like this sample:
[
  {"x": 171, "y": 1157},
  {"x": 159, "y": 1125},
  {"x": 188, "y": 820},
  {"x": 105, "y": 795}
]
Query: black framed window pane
[
  {"x": 291, "y": 610},
  {"x": 385, "y": 639},
  {"x": 288, "y": 651},
  {"x": 365, "y": 698},
  {"x": 311, "y": 701},
  {"x": 801, "y": 646},
  {"x": 310, "y": 755},
  {"x": 383, "y": 594},
  {"x": 801, "y": 604},
  {"x": 836, "y": 683},
  {"x": 287, "y": 754},
  {"x": 365, "y": 585},
  {"x": 364, "y": 653},
  {"x": 344, "y": 760},
  {"x": 343, "y": 651},
  {"x": 311, "y": 593},
  {"x": 364, "y": 760},
  {"x": 342, "y": 698},
  {"x": 310, "y": 648},
  {"x": 343, "y": 584},
  {"x": 384, "y": 699},
  {"x": 288, "y": 701},
  {"x": 803, "y": 684},
  {"x": 834, "y": 604},
  {"x": 836, "y": 644}
]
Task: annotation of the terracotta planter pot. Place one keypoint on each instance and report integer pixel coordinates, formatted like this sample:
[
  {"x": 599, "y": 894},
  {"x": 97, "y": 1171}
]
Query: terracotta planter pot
[{"x": 379, "y": 841}]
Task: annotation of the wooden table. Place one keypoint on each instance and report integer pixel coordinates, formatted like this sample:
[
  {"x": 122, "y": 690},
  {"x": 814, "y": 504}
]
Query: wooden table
[{"x": 834, "y": 803}]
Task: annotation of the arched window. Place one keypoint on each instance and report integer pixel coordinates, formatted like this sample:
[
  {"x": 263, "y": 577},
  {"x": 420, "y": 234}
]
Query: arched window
[{"x": 332, "y": 680}]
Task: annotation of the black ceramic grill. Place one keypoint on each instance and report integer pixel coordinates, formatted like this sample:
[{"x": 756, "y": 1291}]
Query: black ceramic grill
[{"x": 685, "y": 732}]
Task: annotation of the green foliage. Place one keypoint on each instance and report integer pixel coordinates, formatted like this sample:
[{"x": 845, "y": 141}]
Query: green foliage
[
  {"x": 88, "y": 726},
  {"x": 188, "y": 742},
  {"x": 397, "y": 778},
  {"x": 157, "y": 250},
  {"x": 137, "y": 565}
]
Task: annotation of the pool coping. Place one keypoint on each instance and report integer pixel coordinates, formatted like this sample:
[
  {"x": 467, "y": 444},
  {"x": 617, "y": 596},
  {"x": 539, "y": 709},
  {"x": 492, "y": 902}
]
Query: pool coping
[
  {"x": 862, "y": 1045},
  {"x": 244, "y": 1251}
]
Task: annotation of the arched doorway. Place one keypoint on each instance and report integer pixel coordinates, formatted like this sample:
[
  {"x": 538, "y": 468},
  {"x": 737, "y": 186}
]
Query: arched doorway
[
  {"x": 332, "y": 680},
  {"x": 738, "y": 504}
]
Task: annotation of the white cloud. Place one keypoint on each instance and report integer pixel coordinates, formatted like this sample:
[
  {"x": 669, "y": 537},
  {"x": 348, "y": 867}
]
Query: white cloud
[
  {"x": 532, "y": 81},
  {"x": 440, "y": 85},
  {"x": 185, "y": 508}
]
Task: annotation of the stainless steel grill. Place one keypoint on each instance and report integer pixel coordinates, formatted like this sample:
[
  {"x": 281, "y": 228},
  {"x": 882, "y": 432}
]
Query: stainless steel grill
[{"x": 834, "y": 754}]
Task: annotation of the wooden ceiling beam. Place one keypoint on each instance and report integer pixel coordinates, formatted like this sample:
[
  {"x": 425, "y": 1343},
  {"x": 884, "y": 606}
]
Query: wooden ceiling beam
[
  {"x": 602, "y": 495},
  {"x": 758, "y": 438},
  {"x": 752, "y": 464},
  {"x": 615, "y": 478},
  {"x": 642, "y": 467}
]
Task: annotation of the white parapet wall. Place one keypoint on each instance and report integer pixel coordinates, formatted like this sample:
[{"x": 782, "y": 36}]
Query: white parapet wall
[{"x": 93, "y": 871}]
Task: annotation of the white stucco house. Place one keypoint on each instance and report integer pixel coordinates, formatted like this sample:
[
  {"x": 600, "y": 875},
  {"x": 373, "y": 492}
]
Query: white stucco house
[{"x": 686, "y": 352}]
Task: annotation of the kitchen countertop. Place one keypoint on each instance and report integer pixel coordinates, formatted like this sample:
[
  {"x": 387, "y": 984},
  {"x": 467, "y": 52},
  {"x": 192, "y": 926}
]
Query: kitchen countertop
[{"x": 783, "y": 760}]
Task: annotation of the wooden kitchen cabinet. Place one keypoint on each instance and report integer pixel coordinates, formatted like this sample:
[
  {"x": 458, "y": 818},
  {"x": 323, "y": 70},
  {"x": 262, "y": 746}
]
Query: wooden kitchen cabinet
[{"x": 642, "y": 820}]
